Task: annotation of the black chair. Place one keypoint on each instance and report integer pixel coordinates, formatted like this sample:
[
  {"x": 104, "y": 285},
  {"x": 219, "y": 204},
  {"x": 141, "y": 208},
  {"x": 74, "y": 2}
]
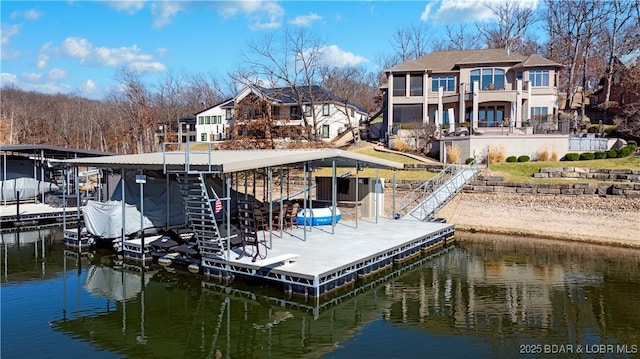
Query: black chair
[{"x": 251, "y": 221}]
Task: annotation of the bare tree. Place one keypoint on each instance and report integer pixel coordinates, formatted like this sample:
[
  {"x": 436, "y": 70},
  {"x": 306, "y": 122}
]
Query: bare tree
[
  {"x": 621, "y": 13},
  {"x": 462, "y": 39},
  {"x": 567, "y": 25},
  {"x": 291, "y": 60},
  {"x": 510, "y": 28}
]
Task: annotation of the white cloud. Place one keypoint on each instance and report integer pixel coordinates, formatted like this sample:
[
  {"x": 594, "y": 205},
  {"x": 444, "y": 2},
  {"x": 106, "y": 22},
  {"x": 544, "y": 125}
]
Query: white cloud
[
  {"x": 8, "y": 78},
  {"x": 43, "y": 55},
  {"x": 305, "y": 20},
  {"x": 57, "y": 74},
  {"x": 458, "y": 11},
  {"x": 261, "y": 14},
  {"x": 77, "y": 47},
  {"x": 164, "y": 12},
  {"x": 8, "y": 31},
  {"x": 427, "y": 11},
  {"x": 31, "y": 14},
  {"x": 89, "y": 86},
  {"x": 31, "y": 76},
  {"x": 333, "y": 55},
  {"x": 128, "y": 6},
  {"x": 132, "y": 57},
  {"x": 140, "y": 66}
]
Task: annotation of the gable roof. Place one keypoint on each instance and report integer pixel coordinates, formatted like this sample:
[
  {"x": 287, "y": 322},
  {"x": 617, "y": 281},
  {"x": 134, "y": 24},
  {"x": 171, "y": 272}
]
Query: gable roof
[
  {"x": 447, "y": 61},
  {"x": 223, "y": 104},
  {"x": 288, "y": 96}
]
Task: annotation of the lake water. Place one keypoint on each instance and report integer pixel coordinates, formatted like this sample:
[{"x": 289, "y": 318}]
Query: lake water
[{"x": 485, "y": 297}]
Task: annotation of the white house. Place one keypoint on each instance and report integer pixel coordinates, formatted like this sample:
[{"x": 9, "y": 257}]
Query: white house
[
  {"x": 331, "y": 115},
  {"x": 214, "y": 123}
]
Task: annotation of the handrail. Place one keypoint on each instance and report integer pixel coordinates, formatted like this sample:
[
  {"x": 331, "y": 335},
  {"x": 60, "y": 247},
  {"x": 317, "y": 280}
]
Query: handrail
[
  {"x": 414, "y": 201},
  {"x": 186, "y": 153}
]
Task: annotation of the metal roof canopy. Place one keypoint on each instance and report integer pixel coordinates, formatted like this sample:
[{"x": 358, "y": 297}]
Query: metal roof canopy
[
  {"x": 223, "y": 161},
  {"x": 50, "y": 151}
]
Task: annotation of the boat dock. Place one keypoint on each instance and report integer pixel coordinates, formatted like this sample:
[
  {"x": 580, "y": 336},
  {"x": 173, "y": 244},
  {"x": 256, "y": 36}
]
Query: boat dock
[
  {"x": 325, "y": 262},
  {"x": 250, "y": 193},
  {"x": 27, "y": 215}
]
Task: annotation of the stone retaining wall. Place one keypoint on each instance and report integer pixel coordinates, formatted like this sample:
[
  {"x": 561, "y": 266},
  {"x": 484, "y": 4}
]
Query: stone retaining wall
[
  {"x": 602, "y": 174},
  {"x": 488, "y": 184}
]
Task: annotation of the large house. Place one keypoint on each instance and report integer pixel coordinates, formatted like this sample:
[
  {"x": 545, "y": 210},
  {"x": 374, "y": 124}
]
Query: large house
[
  {"x": 620, "y": 94},
  {"x": 476, "y": 88},
  {"x": 275, "y": 109}
]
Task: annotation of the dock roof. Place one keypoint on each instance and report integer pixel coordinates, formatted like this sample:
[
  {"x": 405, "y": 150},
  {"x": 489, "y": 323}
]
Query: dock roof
[{"x": 224, "y": 161}]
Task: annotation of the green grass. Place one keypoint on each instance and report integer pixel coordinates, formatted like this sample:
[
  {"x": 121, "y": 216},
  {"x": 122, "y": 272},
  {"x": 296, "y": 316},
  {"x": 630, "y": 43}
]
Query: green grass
[
  {"x": 523, "y": 171},
  {"x": 370, "y": 151}
]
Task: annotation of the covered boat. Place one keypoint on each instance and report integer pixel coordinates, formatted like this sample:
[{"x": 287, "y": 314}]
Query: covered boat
[
  {"x": 318, "y": 216},
  {"x": 23, "y": 180}
]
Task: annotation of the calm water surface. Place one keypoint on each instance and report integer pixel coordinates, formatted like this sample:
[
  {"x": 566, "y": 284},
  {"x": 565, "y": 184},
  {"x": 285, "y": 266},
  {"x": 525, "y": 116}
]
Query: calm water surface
[{"x": 486, "y": 297}]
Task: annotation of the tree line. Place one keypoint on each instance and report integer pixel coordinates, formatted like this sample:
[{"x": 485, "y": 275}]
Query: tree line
[{"x": 585, "y": 36}]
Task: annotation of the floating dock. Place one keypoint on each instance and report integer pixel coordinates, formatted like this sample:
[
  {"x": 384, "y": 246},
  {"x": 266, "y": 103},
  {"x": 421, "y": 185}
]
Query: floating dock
[
  {"x": 324, "y": 262},
  {"x": 34, "y": 215}
]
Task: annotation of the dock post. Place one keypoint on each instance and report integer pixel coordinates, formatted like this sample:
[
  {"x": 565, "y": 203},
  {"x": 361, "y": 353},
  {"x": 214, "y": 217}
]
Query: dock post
[
  {"x": 17, "y": 206},
  {"x": 333, "y": 196}
]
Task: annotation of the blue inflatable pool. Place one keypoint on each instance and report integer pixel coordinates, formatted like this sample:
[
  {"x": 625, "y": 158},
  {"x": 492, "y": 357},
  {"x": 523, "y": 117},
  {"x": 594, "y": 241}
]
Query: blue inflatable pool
[{"x": 317, "y": 216}]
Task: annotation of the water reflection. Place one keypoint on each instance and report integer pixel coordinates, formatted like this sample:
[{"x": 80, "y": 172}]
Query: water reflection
[{"x": 486, "y": 297}]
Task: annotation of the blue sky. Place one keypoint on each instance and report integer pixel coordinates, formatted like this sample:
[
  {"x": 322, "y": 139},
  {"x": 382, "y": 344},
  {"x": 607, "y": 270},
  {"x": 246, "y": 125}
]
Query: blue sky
[{"x": 78, "y": 47}]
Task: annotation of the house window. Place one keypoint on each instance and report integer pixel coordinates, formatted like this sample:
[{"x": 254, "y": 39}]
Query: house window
[
  {"x": 307, "y": 110},
  {"x": 207, "y": 120},
  {"x": 200, "y": 120},
  {"x": 407, "y": 113},
  {"x": 192, "y": 127},
  {"x": 325, "y": 109},
  {"x": 228, "y": 114},
  {"x": 203, "y": 137},
  {"x": 399, "y": 85},
  {"x": 448, "y": 83},
  {"x": 275, "y": 110},
  {"x": 489, "y": 78},
  {"x": 212, "y": 137},
  {"x": 294, "y": 112},
  {"x": 415, "y": 85},
  {"x": 539, "y": 78},
  {"x": 539, "y": 113},
  {"x": 184, "y": 139},
  {"x": 353, "y": 112},
  {"x": 325, "y": 131}
]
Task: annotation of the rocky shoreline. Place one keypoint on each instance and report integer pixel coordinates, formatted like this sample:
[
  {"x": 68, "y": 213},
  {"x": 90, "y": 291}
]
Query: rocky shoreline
[{"x": 590, "y": 219}]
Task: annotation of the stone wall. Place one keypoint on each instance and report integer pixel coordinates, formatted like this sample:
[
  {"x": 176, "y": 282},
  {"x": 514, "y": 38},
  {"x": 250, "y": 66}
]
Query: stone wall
[
  {"x": 496, "y": 184},
  {"x": 602, "y": 174}
]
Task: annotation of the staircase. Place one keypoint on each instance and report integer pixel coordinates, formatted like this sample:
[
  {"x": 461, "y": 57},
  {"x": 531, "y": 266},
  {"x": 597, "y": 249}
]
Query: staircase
[
  {"x": 425, "y": 201},
  {"x": 199, "y": 209}
]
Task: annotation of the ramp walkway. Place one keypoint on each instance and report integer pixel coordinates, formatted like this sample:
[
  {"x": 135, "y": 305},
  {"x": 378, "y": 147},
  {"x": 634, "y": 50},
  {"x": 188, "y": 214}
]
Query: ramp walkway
[{"x": 423, "y": 203}]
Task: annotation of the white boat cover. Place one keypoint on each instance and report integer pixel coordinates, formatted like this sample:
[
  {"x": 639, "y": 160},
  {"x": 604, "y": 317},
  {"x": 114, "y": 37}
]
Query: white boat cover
[
  {"x": 20, "y": 176},
  {"x": 104, "y": 219}
]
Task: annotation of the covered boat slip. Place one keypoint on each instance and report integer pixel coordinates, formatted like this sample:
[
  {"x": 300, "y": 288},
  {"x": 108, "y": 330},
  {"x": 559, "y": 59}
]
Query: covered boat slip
[{"x": 308, "y": 260}]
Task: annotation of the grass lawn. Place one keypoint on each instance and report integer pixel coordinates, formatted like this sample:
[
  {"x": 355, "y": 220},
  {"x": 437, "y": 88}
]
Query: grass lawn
[
  {"x": 386, "y": 174},
  {"x": 523, "y": 171},
  {"x": 370, "y": 151}
]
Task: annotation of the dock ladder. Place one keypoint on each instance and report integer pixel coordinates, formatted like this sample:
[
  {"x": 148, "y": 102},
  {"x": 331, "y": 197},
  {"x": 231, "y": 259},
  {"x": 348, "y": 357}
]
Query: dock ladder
[
  {"x": 424, "y": 202},
  {"x": 199, "y": 209}
]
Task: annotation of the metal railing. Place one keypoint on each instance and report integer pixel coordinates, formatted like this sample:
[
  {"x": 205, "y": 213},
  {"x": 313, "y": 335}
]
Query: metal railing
[
  {"x": 414, "y": 203},
  {"x": 186, "y": 154}
]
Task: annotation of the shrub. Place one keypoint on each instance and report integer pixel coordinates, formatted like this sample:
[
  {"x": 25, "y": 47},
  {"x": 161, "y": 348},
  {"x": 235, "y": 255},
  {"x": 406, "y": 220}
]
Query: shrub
[
  {"x": 400, "y": 145},
  {"x": 496, "y": 154},
  {"x": 543, "y": 154},
  {"x": 625, "y": 151},
  {"x": 526, "y": 158},
  {"x": 554, "y": 156},
  {"x": 632, "y": 143},
  {"x": 601, "y": 155},
  {"x": 511, "y": 159},
  {"x": 571, "y": 157},
  {"x": 453, "y": 154},
  {"x": 469, "y": 160},
  {"x": 587, "y": 156},
  {"x": 612, "y": 154}
]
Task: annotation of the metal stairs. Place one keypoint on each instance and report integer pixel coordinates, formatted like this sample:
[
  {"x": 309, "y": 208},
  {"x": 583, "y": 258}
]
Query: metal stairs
[
  {"x": 199, "y": 209},
  {"x": 424, "y": 202}
]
